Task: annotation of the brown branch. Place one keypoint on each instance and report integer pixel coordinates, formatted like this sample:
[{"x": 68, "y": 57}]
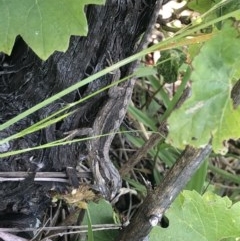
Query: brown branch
[
  {"x": 153, "y": 140},
  {"x": 141, "y": 152},
  {"x": 159, "y": 200}
]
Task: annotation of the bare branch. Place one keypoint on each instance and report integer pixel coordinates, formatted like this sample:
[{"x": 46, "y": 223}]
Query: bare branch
[{"x": 159, "y": 199}]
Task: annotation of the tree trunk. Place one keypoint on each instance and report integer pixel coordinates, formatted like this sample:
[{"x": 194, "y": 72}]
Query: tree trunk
[{"x": 114, "y": 34}]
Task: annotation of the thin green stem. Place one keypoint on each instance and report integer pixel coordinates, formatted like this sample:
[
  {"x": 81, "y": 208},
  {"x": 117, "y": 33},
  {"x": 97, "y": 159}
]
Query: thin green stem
[{"x": 226, "y": 175}]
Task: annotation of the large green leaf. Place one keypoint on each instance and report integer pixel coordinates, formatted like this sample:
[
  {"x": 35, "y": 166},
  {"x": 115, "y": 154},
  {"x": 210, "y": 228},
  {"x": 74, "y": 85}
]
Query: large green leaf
[
  {"x": 45, "y": 25},
  {"x": 209, "y": 113},
  {"x": 200, "y": 218}
]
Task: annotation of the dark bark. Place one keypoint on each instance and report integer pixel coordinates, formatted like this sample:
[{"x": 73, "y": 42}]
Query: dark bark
[{"x": 114, "y": 31}]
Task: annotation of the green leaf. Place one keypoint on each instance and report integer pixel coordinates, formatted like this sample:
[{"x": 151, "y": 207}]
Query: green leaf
[
  {"x": 158, "y": 86},
  {"x": 101, "y": 213},
  {"x": 225, "y": 175},
  {"x": 145, "y": 71},
  {"x": 200, "y": 6},
  {"x": 169, "y": 64},
  {"x": 228, "y": 7},
  {"x": 198, "y": 179},
  {"x": 44, "y": 25},
  {"x": 143, "y": 117},
  {"x": 137, "y": 186},
  {"x": 167, "y": 154},
  {"x": 209, "y": 113},
  {"x": 200, "y": 218}
]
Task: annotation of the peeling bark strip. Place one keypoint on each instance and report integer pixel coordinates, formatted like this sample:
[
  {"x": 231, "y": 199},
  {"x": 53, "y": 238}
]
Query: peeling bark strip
[
  {"x": 114, "y": 32},
  {"x": 42, "y": 176}
]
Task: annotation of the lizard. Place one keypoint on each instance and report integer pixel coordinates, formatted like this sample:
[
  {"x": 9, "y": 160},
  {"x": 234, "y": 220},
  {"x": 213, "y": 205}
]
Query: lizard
[{"x": 108, "y": 120}]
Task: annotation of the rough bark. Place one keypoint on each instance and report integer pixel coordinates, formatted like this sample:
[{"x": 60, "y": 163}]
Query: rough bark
[
  {"x": 114, "y": 32},
  {"x": 159, "y": 199}
]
